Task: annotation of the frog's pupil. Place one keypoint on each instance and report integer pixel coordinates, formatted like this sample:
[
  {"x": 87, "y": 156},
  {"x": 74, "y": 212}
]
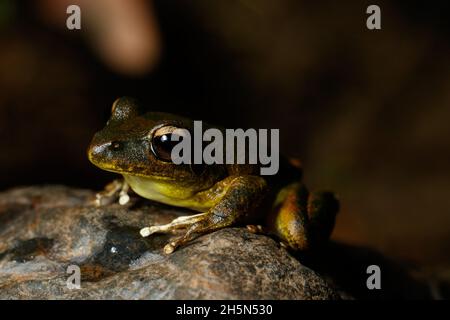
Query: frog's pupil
[{"x": 163, "y": 146}]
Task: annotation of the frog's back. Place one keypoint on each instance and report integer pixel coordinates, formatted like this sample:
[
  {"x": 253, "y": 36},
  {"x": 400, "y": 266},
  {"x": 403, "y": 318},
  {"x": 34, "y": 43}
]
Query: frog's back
[{"x": 289, "y": 171}]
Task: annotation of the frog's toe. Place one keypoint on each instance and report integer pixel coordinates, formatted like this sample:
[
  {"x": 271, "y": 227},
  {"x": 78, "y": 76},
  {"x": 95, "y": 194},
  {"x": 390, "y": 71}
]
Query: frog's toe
[
  {"x": 170, "y": 247},
  {"x": 124, "y": 199},
  {"x": 102, "y": 200},
  {"x": 255, "y": 228},
  {"x": 147, "y": 231}
]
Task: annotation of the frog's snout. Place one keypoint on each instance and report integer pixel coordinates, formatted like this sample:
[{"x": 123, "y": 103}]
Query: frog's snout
[
  {"x": 98, "y": 149},
  {"x": 98, "y": 152},
  {"x": 105, "y": 154}
]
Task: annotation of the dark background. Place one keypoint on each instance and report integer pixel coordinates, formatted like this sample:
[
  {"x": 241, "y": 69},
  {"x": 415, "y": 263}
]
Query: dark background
[{"x": 367, "y": 111}]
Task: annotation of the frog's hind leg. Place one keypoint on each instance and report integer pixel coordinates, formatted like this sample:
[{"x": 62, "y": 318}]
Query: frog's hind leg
[{"x": 301, "y": 219}]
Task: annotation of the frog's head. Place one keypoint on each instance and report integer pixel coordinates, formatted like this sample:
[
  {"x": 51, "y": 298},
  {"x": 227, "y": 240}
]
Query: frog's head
[{"x": 140, "y": 145}]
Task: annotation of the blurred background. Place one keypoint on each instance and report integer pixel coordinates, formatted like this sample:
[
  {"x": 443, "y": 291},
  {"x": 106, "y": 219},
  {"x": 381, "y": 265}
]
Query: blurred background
[{"x": 367, "y": 111}]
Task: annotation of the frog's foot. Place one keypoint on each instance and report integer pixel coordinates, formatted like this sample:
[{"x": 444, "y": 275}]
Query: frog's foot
[
  {"x": 197, "y": 223},
  {"x": 255, "y": 228},
  {"x": 178, "y": 223},
  {"x": 208, "y": 222},
  {"x": 118, "y": 189}
]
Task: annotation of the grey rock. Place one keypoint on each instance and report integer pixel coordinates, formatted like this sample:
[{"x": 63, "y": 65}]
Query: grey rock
[{"x": 44, "y": 230}]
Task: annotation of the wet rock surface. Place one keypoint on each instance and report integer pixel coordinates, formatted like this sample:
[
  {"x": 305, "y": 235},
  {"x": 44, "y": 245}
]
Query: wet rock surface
[{"x": 44, "y": 230}]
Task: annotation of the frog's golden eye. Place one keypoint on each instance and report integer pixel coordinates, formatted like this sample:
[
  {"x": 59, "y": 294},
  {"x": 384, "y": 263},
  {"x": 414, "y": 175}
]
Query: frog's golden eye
[{"x": 163, "y": 141}]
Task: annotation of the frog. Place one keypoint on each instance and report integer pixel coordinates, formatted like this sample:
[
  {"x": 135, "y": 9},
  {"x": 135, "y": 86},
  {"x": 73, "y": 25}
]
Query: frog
[{"x": 137, "y": 144}]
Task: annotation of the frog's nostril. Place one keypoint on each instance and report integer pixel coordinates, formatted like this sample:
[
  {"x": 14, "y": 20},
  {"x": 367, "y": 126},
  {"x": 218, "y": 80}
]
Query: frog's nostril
[{"x": 100, "y": 148}]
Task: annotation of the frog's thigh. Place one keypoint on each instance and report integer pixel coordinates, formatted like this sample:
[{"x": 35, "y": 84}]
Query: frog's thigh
[
  {"x": 289, "y": 216},
  {"x": 177, "y": 223},
  {"x": 302, "y": 219},
  {"x": 242, "y": 195}
]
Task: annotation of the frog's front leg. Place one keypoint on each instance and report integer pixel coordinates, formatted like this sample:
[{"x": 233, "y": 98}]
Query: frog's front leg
[
  {"x": 117, "y": 189},
  {"x": 178, "y": 223},
  {"x": 239, "y": 196}
]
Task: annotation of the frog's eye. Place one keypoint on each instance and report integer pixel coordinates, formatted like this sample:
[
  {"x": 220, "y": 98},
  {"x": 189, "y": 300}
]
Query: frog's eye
[{"x": 163, "y": 141}]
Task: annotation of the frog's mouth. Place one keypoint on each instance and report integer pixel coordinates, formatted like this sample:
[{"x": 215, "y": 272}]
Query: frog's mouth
[
  {"x": 128, "y": 171},
  {"x": 113, "y": 166},
  {"x": 96, "y": 155}
]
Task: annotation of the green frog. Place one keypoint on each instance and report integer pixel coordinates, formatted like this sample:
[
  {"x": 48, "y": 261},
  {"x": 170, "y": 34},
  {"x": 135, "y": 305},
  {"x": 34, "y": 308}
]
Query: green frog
[{"x": 138, "y": 146}]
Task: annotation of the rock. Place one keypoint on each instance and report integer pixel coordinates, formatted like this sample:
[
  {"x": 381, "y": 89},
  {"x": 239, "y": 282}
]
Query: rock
[{"x": 44, "y": 230}]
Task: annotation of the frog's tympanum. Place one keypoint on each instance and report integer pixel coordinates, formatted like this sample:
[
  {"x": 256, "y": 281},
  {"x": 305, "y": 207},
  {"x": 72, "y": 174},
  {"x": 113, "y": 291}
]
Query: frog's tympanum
[{"x": 138, "y": 146}]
